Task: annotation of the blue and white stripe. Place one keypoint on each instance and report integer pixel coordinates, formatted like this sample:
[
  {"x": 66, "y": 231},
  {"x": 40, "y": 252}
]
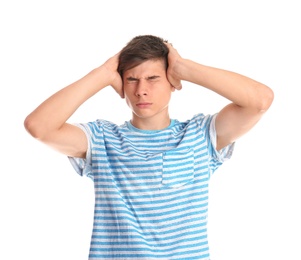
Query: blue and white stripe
[{"x": 151, "y": 188}]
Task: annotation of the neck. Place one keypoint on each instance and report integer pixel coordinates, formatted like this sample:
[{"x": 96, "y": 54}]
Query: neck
[{"x": 153, "y": 123}]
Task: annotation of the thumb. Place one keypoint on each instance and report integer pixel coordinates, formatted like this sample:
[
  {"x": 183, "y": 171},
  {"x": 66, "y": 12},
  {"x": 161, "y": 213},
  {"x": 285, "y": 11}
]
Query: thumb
[
  {"x": 119, "y": 89},
  {"x": 177, "y": 84}
]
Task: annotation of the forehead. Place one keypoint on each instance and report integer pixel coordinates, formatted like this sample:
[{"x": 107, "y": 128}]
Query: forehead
[{"x": 147, "y": 68}]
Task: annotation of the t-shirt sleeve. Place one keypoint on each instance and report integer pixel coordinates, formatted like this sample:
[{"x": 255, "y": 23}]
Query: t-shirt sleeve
[
  {"x": 83, "y": 166},
  {"x": 226, "y": 152},
  {"x": 215, "y": 158}
]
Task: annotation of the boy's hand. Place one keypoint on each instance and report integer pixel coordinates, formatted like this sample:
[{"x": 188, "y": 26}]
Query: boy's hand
[
  {"x": 172, "y": 74},
  {"x": 115, "y": 80}
]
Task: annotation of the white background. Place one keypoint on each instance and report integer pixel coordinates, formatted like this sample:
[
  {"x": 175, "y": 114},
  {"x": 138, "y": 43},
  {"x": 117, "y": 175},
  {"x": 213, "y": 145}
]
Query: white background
[{"x": 47, "y": 209}]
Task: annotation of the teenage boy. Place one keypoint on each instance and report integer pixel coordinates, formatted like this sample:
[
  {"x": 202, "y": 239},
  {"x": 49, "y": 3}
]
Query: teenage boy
[{"x": 151, "y": 173}]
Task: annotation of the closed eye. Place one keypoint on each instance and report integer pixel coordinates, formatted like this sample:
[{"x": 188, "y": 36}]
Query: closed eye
[
  {"x": 131, "y": 80},
  {"x": 153, "y": 77}
]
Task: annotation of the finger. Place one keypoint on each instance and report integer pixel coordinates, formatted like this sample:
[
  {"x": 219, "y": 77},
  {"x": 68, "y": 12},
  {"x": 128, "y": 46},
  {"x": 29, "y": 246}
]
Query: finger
[
  {"x": 168, "y": 44},
  {"x": 121, "y": 93},
  {"x": 178, "y": 87}
]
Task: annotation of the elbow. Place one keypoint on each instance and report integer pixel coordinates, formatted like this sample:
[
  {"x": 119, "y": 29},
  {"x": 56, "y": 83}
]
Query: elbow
[
  {"x": 261, "y": 98},
  {"x": 33, "y": 127},
  {"x": 267, "y": 99}
]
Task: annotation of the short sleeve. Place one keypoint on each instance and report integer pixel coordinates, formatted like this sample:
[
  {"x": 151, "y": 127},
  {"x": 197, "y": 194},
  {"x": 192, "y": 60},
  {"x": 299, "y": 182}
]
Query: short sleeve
[
  {"x": 226, "y": 152},
  {"x": 215, "y": 158},
  {"x": 83, "y": 166}
]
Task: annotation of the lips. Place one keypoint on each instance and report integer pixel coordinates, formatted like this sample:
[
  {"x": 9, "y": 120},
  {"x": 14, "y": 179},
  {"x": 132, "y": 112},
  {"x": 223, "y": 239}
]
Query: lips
[{"x": 143, "y": 104}]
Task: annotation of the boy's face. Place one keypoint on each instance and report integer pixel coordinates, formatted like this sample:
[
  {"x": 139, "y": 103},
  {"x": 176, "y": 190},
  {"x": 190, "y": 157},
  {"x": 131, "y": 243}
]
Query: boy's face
[{"x": 147, "y": 90}]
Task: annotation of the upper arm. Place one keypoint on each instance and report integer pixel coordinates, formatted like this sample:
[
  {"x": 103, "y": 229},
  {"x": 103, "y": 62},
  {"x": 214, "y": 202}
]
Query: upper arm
[
  {"x": 234, "y": 121},
  {"x": 69, "y": 140}
]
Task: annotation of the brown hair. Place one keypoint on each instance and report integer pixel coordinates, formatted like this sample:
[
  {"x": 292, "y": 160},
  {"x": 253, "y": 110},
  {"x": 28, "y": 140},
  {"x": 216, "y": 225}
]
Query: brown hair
[{"x": 140, "y": 49}]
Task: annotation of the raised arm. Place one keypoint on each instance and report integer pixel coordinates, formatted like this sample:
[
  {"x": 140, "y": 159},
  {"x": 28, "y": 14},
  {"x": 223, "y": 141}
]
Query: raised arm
[
  {"x": 250, "y": 99},
  {"x": 47, "y": 122}
]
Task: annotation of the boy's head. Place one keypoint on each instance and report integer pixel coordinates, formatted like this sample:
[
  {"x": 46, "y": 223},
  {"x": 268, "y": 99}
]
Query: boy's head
[{"x": 140, "y": 49}]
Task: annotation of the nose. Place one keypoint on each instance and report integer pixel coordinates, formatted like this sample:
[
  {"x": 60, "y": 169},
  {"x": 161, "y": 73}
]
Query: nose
[{"x": 141, "y": 89}]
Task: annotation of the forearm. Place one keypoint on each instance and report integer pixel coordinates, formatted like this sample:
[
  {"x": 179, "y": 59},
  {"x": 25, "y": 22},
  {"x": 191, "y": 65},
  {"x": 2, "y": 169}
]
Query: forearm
[
  {"x": 55, "y": 111},
  {"x": 239, "y": 89}
]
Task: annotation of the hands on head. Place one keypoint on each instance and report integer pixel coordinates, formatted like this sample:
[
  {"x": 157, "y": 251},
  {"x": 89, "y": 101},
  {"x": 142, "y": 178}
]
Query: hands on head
[
  {"x": 173, "y": 71},
  {"x": 111, "y": 66},
  {"x": 249, "y": 99}
]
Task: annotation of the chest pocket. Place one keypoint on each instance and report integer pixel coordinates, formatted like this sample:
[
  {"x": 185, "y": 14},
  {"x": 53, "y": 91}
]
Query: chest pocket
[{"x": 178, "y": 167}]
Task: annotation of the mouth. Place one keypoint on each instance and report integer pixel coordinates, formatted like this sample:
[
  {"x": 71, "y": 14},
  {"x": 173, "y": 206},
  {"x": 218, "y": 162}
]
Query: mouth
[{"x": 143, "y": 104}]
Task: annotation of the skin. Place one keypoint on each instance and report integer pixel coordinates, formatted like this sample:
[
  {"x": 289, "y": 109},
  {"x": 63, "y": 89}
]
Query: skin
[
  {"x": 147, "y": 93},
  {"x": 147, "y": 90}
]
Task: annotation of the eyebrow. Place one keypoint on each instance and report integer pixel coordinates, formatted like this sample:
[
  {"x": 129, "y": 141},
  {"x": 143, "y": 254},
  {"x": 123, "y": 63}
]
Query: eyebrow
[{"x": 131, "y": 78}]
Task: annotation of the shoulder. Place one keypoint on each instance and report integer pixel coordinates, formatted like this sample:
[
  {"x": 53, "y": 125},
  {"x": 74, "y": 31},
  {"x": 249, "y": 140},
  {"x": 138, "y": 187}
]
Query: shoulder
[
  {"x": 104, "y": 124},
  {"x": 99, "y": 126},
  {"x": 198, "y": 121}
]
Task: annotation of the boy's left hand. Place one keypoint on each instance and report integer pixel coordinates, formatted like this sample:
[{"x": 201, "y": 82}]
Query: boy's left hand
[{"x": 173, "y": 63}]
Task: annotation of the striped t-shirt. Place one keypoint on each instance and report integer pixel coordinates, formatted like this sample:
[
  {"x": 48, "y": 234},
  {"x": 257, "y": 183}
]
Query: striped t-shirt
[{"x": 151, "y": 188}]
